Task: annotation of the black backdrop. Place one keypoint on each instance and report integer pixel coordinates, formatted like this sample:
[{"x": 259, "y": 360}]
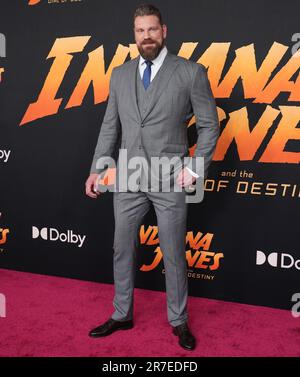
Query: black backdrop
[{"x": 42, "y": 180}]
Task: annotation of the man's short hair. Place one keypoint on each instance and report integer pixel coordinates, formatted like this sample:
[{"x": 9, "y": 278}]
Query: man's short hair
[{"x": 147, "y": 10}]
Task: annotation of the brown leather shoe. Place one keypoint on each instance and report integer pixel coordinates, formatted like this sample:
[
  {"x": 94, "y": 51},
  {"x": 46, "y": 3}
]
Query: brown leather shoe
[
  {"x": 109, "y": 327},
  {"x": 186, "y": 338}
]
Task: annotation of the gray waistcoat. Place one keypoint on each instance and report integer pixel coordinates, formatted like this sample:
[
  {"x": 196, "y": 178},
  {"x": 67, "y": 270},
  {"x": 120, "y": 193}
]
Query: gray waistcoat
[{"x": 144, "y": 96}]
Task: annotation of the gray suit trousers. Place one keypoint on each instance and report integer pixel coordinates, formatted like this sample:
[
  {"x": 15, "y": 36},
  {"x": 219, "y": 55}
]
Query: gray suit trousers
[{"x": 171, "y": 212}]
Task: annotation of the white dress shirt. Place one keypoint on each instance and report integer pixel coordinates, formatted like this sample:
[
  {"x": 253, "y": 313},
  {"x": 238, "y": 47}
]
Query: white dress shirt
[{"x": 157, "y": 63}]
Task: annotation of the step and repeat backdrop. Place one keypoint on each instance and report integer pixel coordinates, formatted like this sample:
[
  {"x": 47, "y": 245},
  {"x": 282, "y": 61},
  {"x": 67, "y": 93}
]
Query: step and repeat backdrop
[{"x": 56, "y": 59}]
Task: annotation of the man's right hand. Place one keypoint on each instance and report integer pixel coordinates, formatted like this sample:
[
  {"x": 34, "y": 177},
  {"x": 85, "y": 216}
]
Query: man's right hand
[{"x": 91, "y": 186}]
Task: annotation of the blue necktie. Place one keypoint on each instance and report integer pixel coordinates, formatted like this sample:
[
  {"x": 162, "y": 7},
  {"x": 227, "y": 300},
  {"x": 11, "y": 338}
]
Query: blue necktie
[{"x": 147, "y": 74}]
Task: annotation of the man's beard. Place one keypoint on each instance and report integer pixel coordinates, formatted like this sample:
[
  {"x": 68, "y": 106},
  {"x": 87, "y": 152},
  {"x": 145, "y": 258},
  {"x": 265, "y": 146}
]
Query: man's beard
[{"x": 150, "y": 53}]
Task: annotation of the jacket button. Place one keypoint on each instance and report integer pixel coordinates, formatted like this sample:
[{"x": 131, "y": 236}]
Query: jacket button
[{"x": 142, "y": 125}]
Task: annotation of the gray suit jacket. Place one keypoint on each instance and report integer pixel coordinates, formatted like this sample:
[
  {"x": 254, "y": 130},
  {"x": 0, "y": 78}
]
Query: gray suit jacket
[{"x": 183, "y": 91}]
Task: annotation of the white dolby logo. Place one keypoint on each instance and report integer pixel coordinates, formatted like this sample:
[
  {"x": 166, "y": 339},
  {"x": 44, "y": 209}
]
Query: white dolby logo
[
  {"x": 281, "y": 260},
  {"x": 53, "y": 234}
]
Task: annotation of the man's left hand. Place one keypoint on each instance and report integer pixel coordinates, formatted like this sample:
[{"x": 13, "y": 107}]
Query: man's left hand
[{"x": 185, "y": 178}]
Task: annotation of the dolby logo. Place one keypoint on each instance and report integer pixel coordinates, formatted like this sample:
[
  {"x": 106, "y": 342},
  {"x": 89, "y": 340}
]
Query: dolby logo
[
  {"x": 280, "y": 260},
  {"x": 53, "y": 234}
]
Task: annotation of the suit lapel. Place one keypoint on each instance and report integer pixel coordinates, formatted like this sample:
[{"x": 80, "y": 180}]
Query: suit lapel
[{"x": 132, "y": 88}]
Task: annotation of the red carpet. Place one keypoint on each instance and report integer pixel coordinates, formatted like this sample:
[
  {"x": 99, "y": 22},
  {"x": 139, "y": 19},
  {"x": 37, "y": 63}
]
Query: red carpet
[{"x": 50, "y": 316}]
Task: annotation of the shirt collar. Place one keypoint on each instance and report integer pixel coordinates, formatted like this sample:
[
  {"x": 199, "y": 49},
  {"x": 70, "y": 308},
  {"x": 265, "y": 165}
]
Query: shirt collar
[{"x": 159, "y": 59}]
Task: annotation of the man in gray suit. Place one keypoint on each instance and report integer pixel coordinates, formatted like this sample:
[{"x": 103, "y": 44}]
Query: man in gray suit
[{"x": 151, "y": 99}]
